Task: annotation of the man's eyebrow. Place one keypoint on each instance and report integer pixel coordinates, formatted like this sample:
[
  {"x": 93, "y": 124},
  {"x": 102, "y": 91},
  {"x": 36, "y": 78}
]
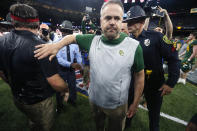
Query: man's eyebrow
[{"x": 112, "y": 16}]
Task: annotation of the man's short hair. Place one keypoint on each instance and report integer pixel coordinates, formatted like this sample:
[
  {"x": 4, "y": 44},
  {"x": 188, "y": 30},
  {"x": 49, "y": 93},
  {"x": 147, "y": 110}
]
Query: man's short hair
[
  {"x": 24, "y": 16},
  {"x": 117, "y": 2}
]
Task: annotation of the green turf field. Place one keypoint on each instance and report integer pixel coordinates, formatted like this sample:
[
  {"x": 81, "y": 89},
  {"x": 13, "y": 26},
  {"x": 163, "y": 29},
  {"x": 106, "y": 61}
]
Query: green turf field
[{"x": 182, "y": 103}]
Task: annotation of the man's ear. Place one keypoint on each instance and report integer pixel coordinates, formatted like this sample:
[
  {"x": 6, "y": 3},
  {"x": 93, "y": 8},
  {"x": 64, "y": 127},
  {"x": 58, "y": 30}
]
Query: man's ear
[
  {"x": 143, "y": 21},
  {"x": 101, "y": 19}
]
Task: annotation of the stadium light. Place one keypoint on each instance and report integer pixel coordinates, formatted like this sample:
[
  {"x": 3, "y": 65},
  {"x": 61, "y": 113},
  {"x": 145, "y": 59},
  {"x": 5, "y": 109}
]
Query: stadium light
[{"x": 178, "y": 27}]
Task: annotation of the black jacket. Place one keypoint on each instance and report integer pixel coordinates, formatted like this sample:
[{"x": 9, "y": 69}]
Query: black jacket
[
  {"x": 156, "y": 49},
  {"x": 26, "y": 75}
]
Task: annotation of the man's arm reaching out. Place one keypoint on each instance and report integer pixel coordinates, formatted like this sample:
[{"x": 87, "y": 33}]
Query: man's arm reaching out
[{"x": 44, "y": 50}]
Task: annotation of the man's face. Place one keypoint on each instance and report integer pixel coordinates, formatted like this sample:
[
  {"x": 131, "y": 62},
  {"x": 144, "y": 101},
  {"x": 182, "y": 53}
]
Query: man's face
[
  {"x": 66, "y": 32},
  {"x": 158, "y": 29},
  {"x": 91, "y": 31},
  {"x": 191, "y": 37},
  {"x": 125, "y": 28},
  {"x": 176, "y": 39},
  {"x": 134, "y": 26},
  {"x": 111, "y": 21}
]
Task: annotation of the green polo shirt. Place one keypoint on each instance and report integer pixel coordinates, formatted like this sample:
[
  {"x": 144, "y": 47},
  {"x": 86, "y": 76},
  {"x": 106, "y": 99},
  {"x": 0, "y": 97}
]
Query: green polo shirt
[{"x": 85, "y": 41}]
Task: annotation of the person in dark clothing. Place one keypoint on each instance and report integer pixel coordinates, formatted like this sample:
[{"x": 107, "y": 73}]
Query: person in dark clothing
[
  {"x": 192, "y": 125},
  {"x": 32, "y": 81},
  {"x": 87, "y": 27},
  {"x": 156, "y": 47},
  {"x": 44, "y": 33}
]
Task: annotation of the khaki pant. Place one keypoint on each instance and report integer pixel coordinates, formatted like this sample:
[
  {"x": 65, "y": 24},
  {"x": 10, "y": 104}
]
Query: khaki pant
[
  {"x": 116, "y": 117},
  {"x": 40, "y": 115}
]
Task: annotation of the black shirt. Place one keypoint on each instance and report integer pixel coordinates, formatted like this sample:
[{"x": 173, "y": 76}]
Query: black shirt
[
  {"x": 27, "y": 75},
  {"x": 194, "y": 119},
  {"x": 157, "y": 48}
]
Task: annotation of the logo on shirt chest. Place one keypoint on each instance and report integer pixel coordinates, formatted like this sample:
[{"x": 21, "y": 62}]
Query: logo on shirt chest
[
  {"x": 146, "y": 42},
  {"x": 121, "y": 52}
]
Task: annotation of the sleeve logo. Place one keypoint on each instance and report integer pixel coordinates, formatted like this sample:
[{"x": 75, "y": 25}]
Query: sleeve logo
[
  {"x": 147, "y": 42},
  {"x": 166, "y": 40}
]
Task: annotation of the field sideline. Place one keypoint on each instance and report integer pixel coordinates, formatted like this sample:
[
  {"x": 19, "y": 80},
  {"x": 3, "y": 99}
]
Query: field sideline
[{"x": 182, "y": 103}]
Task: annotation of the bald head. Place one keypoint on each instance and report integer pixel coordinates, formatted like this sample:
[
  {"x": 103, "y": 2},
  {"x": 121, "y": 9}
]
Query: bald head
[{"x": 109, "y": 3}]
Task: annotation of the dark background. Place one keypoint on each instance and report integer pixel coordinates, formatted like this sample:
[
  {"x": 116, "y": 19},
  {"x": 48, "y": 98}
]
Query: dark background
[{"x": 55, "y": 11}]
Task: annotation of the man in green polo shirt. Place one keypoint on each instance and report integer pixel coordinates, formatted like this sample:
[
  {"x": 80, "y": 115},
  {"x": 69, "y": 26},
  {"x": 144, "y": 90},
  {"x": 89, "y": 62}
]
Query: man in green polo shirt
[{"x": 112, "y": 57}]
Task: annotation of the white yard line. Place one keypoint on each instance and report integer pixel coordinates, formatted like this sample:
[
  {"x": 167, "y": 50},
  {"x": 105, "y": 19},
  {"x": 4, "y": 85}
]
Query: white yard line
[
  {"x": 175, "y": 119},
  {"x": 167, "y": 116}
]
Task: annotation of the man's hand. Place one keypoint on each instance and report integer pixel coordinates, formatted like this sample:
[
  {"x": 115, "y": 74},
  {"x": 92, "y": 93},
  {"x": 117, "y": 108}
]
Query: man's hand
[
  {"x": 132, "y": 110},
  {"x": 58, "y": 32},
  {"x": 166, "y": 90},
  {"x": 76, "y": 66},
  {"x": 3, "y": 76},
  {"x": 90, "y": 22},
  {"x": 45, "y": 50},
  {"x": 163, "y": 10},
  {"x": 84, "y": 18},
  {"x": 66, "y": 96}
]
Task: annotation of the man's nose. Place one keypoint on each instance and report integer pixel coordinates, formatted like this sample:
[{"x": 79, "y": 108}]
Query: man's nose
[{"x": 112, "y": 21}]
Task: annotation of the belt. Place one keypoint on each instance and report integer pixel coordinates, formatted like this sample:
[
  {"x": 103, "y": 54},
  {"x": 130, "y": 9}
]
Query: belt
[{"x": 149, "y": 72}]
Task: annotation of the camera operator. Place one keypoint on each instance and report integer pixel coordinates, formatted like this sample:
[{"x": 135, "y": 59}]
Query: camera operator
[
  {"x": 86, "y": 22},
  {"x": 155, "y": 10},
  {"x": 87, "y": 28},
  {"x": 44, "y": 33}
]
